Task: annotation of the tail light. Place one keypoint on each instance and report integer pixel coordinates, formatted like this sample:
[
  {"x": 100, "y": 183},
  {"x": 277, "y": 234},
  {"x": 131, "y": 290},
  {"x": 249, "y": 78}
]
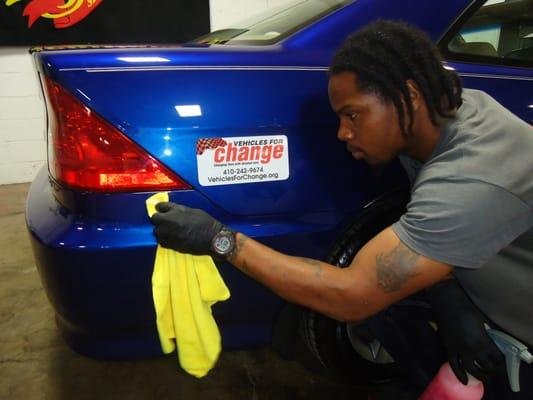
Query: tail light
[{"x": 86, "y": 152}]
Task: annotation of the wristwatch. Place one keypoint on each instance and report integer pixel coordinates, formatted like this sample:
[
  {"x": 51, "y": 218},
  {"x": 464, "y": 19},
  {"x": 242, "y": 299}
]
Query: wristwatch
[{"x": 223, "y": 242}]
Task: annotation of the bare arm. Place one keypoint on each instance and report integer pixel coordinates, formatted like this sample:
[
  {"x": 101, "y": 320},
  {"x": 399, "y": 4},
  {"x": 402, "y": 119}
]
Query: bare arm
[{"x": 383, "y": 272}]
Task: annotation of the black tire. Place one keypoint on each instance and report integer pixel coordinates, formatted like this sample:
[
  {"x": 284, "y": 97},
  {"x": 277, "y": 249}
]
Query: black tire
[{"x": 346, "y": 349}]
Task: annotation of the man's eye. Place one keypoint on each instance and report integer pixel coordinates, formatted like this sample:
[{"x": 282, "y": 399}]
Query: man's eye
[{"x": 352, "y": 116}]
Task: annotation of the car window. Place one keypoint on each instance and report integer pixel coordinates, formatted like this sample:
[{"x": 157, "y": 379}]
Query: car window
[
  {"x": 274, "y": 24},
  {"x": 500, "y": 31}
]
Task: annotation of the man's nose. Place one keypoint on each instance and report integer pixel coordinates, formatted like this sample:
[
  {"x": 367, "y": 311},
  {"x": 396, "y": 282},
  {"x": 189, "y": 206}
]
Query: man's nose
[{"x": 344, "y": 133}]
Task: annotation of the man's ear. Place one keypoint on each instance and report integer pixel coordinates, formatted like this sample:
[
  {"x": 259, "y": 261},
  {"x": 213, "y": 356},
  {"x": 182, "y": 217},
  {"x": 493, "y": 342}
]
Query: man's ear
[{"x": 414, "y": 94}]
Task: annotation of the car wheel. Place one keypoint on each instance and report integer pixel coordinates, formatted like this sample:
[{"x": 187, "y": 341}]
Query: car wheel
[{"x": 349, "y": 349}]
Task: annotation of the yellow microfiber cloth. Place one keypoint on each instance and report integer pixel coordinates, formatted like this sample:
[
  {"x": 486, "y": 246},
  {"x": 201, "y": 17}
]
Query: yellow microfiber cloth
[{"x": 184, "y": 289}]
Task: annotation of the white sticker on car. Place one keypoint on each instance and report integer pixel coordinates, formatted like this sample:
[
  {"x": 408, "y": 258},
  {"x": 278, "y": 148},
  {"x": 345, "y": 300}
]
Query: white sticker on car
[{"x": 248, "y": 159}]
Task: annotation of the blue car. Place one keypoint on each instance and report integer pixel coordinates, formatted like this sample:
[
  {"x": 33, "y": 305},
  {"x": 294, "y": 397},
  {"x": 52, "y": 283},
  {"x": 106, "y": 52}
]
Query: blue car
[{"x": 237, "y": 123}]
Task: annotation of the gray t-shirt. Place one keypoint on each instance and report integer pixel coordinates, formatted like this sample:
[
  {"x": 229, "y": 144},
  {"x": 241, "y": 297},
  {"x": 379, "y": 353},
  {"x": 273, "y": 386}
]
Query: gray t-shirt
[{"x": 472, "y": 207}]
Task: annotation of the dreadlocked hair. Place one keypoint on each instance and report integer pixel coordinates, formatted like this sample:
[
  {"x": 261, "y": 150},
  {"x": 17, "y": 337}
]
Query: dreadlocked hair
[{"x": 385, "y": 54}]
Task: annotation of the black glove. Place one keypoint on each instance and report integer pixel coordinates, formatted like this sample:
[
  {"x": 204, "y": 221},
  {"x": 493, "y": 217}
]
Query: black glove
[
  {"x": 187, "y": 230},
  {"x": 461, "y": 328}
]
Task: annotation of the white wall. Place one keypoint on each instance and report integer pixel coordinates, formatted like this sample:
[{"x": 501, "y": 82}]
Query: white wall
[{"x": 22, "y": 116}]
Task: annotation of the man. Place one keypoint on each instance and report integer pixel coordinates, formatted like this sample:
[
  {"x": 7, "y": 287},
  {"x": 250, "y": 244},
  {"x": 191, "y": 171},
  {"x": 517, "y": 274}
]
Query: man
[{"x": 464, "y": 234}]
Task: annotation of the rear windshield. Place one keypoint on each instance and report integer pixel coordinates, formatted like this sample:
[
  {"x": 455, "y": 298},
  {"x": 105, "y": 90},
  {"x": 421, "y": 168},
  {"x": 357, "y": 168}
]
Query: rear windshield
[{"x": 273, "y": 25}]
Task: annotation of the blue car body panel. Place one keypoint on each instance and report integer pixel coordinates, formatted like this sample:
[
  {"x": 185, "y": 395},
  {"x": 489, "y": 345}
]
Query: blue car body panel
[
  {"x": 95, "y": 251},
  {"x": 291, "y": 103},
  {"x": 511, "y": 86}
]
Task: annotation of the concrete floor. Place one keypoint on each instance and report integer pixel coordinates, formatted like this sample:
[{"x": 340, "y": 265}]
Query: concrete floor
[{"x": 35, "y": 363}]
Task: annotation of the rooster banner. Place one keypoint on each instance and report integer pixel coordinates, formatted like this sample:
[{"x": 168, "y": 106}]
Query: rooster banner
[
  {"x": 63, "y": 14},
  {"x": 51, "y": 22}
]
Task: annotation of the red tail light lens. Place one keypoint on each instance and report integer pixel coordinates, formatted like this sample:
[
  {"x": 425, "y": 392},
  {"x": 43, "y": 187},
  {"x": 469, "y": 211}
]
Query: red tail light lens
[{"x": 86, "y": 152}]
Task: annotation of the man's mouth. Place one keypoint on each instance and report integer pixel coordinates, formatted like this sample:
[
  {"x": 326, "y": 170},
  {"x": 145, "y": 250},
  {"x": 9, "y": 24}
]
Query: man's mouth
[{"x": 356, "y": 153}]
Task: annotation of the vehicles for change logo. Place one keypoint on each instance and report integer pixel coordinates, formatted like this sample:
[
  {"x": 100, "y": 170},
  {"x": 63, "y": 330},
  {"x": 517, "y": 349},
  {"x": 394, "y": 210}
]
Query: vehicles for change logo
[{"x": 237, "y": 160}]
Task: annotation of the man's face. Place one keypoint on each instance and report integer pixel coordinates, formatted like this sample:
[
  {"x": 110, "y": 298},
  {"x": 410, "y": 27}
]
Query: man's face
[{"x": 368, "y": 124}]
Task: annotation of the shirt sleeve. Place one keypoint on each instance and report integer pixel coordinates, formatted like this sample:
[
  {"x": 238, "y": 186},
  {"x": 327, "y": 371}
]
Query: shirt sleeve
[{"x": 462, "y": 222}]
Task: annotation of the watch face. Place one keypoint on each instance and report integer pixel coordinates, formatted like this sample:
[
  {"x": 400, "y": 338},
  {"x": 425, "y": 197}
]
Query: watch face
[{"x": 223, "y": 242}]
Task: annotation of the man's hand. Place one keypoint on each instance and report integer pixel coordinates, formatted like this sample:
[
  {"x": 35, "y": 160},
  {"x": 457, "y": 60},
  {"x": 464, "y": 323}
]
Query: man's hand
[
  {"x": 461, "y": 328},
  {"x": 187, "y": 230}
]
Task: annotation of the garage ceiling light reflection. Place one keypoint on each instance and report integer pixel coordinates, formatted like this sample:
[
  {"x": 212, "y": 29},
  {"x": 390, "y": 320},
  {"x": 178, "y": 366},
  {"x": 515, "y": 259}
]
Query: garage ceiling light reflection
[{"x": 186, "y": 111}]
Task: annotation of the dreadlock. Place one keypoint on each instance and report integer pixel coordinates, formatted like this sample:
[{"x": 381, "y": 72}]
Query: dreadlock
[{"x": 385, "y": 54}]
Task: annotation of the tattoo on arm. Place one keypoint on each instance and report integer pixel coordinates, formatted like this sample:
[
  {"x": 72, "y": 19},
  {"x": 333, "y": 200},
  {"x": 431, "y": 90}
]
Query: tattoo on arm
[
  {"x": 395, "y": 267},
  {"x": 313, "y": 263}
]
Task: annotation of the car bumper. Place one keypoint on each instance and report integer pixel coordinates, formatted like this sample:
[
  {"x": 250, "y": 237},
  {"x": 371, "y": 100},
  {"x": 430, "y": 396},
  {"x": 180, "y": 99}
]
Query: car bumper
[{"x": 97, "y": 276}]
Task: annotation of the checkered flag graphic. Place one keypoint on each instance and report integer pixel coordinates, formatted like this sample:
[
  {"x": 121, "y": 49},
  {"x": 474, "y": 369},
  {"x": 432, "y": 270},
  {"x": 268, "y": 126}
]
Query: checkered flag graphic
[{"x": 212, "y": 143}]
